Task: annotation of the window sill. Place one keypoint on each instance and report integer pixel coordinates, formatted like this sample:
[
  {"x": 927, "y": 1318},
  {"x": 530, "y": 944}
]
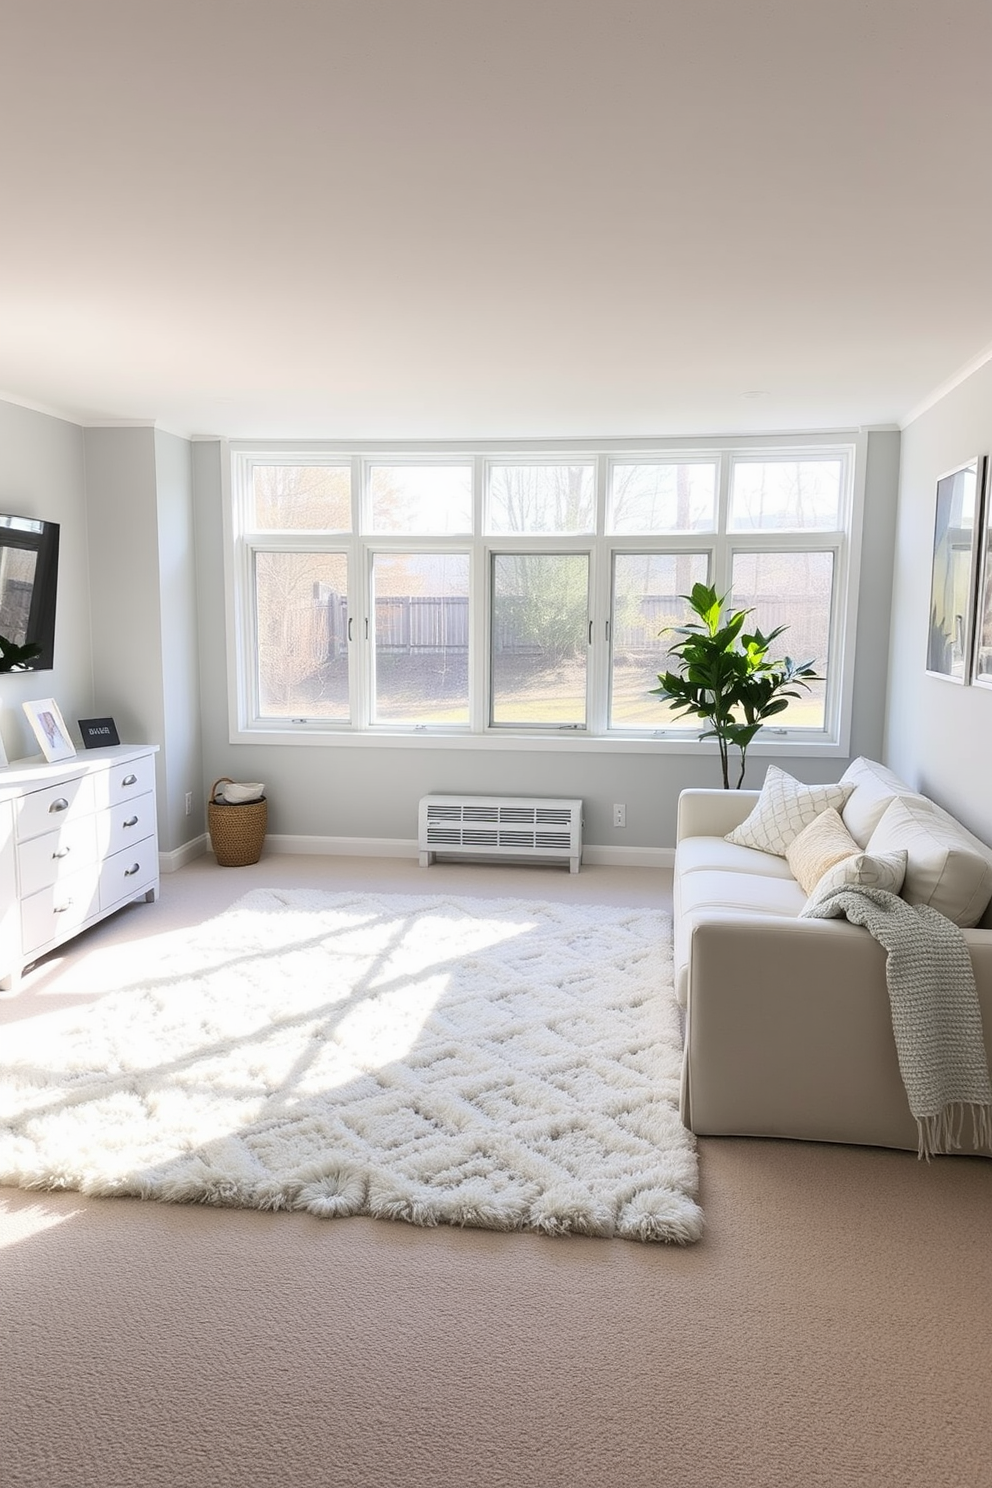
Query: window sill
[{"x": 818, "y": 747}]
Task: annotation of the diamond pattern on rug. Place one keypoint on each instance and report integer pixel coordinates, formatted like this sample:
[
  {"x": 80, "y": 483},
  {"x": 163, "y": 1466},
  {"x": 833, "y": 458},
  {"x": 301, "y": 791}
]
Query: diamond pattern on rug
[{"x": 508, "y": 1064}]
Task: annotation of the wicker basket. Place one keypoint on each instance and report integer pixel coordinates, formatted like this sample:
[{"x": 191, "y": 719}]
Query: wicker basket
[{"x": 236, "y": 832}]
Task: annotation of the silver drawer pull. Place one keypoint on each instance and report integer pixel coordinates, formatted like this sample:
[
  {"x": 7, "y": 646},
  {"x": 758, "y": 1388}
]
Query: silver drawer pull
[
  {"x": 132, "y": 821},
  {"x": 60, "y": 805},
  {"x": 130, "y": 780},
  {"x": 61, "y": 908},
  {"x": 63, "y": 854},
  {"x": 129, "y": 872}
]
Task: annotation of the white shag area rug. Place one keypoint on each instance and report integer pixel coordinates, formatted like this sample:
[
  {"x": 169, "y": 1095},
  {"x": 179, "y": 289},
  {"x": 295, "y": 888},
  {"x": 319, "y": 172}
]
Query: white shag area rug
[{"x": 490, "y": 1062}]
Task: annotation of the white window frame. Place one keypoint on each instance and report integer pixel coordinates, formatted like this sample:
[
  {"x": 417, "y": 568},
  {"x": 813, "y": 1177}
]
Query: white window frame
[{"x": 246, "y": 726}]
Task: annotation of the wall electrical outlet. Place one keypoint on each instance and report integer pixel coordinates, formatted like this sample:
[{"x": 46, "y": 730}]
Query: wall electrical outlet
[
  {"x": 189, "y": 803},
  {"x": 619, "y": 815}
]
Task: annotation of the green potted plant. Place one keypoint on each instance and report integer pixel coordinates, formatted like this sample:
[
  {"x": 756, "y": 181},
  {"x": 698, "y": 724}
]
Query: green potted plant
[
  {"x": 725, "y": 677},
  {"x": 15, "y": 658}
]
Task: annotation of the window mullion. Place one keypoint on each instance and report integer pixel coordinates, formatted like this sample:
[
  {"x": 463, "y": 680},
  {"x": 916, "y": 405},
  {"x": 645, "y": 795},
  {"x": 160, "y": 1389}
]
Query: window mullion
[
  {"x": 722, "y": 561},
  {"x": 599, "y": 651},
  {"x": 478, "y": 639}
]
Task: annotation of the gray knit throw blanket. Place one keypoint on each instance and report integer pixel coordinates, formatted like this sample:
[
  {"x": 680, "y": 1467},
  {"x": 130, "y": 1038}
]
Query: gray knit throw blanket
[{"x": 936, "y": 1017}]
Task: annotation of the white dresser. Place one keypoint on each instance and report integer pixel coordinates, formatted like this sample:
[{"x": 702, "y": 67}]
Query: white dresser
[{"x": 78, "y": 839}]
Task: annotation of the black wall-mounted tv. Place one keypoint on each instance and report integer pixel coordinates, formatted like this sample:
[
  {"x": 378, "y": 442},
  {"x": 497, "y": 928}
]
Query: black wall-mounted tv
[{"x": 29, "y": 570}]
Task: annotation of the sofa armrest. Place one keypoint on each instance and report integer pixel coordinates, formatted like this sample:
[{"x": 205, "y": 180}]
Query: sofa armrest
[
  {"x": 789, "y": 1031},
  {"x": 712, "y": 813}
]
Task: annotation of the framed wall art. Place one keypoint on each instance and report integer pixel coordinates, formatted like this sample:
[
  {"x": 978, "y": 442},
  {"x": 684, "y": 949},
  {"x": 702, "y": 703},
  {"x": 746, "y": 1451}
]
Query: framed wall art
[
  {"x": 954, "y": 571},
  {"x": 981, "y": 668}
]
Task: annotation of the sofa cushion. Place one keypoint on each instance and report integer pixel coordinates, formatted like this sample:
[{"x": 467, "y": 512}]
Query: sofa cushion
[
  {"x": 784, "y": 807},
  {"x": 750, "y": 891},
  {"x": 819, "y": 846},
  {"x": 701, "y": 854},
  {"x": 862, "y": 871},
  {"x": 946, "y": 867},
  {"x": 874, "y": 787}
]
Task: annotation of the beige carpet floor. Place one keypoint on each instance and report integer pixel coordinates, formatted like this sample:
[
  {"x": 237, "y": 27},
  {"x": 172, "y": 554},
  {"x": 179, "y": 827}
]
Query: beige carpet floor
[{"x": 832, "y": 1328}]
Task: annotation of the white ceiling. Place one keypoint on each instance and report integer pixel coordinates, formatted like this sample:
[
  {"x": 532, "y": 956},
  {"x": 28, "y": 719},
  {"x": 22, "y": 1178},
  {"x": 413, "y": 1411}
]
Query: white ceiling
[{"x": 493, "y": 218}]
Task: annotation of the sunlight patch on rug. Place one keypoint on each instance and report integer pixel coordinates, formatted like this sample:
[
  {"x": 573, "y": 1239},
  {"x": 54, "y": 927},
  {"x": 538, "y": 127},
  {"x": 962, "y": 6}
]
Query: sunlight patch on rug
[{"x": 508, "y": 1064}]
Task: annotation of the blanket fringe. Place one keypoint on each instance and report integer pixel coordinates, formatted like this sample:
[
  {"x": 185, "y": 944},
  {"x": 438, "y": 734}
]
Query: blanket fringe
[{"x": 942, "y": 1133}]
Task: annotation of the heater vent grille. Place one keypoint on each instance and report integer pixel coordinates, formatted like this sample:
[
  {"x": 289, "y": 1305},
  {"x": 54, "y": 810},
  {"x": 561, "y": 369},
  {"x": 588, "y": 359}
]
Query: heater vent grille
[{"x": 500, "y": 826}]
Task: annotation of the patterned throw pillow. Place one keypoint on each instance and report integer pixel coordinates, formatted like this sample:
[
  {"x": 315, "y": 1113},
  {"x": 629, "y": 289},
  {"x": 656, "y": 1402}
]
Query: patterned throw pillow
[
  {"x": 863, "y": 871},
  {"x": 819, "y": 846},
  {"x": 784, "y": 807}
]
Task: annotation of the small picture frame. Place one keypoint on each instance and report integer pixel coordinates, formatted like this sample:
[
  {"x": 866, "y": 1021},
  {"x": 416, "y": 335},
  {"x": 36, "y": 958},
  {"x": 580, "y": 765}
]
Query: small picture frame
[
  {"x": 49, "y": 729},
  {"x": 97, "y": 733}
]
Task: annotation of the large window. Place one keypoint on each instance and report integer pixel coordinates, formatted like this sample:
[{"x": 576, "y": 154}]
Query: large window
[{"x": 469, "y": 592}]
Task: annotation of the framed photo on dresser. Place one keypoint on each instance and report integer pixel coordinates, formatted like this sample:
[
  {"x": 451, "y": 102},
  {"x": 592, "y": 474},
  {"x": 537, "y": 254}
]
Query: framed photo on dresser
[{"x": 49, "y": 729}]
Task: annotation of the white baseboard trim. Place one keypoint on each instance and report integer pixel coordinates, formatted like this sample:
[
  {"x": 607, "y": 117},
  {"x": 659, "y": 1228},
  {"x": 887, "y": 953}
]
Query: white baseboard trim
[
  {"x": 168, "y": 862},
  {"x": 629, "y": 857},
  {"x": 406, "y": 847},
  {"x": 342, "y": 847}
]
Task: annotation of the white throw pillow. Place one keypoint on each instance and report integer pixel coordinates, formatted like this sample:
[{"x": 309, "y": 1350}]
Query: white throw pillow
[
  {"x": 784, "y": 807},
  {"x": 862, "y": 871},
  {"x": 947, "y": 867},
  {"x": 874, "y": 787},
  {"x": 819, "y": 846}
]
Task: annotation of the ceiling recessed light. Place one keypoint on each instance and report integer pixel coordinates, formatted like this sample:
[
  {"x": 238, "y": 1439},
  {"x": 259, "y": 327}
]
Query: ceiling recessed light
[{"x": 757, "y": 393}]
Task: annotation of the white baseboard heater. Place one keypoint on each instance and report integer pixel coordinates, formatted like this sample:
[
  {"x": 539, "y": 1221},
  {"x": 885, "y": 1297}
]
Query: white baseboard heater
[{"x": 500, "y": 827}]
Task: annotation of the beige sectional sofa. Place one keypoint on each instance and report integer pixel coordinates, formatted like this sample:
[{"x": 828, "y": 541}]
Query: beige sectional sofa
[{"x": 788, "y": 1027}]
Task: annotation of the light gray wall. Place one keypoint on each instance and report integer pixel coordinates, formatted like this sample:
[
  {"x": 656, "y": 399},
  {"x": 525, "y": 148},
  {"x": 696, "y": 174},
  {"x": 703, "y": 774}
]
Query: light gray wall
[
  {"x": 139, "y": 496},
  {"x": 183, "y": 762},
  {"x": 875, "y": 595},
  {"x": 938, "y": 735},
  {"x": 42, "y": 475},
  {"x": 373, "y": 792},
  {"x": 123, "y": 545}
]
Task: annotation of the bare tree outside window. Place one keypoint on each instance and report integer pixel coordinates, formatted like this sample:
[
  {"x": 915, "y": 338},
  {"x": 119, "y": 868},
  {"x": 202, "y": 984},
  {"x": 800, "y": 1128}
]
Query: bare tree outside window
[
  {"x": 301, "y": 608},
  {"x": 541, "y": 498},
  {"x": 649, "y": 498},
  {"x": 302, "y": 498},
  {"x": 785, "y": 495}
]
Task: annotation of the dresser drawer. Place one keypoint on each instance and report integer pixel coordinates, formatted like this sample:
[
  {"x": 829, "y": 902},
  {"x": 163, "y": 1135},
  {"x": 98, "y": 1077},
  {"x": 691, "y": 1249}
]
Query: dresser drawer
[
  {"x": 128, "y": 873},
  {"x": 60, "y": 910},
  {"x": 120, "y": 826},
  {"x": 123, "y": 782},
  {"x": 45, "y": 860},
  {"x": 44, "y": 810}
]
